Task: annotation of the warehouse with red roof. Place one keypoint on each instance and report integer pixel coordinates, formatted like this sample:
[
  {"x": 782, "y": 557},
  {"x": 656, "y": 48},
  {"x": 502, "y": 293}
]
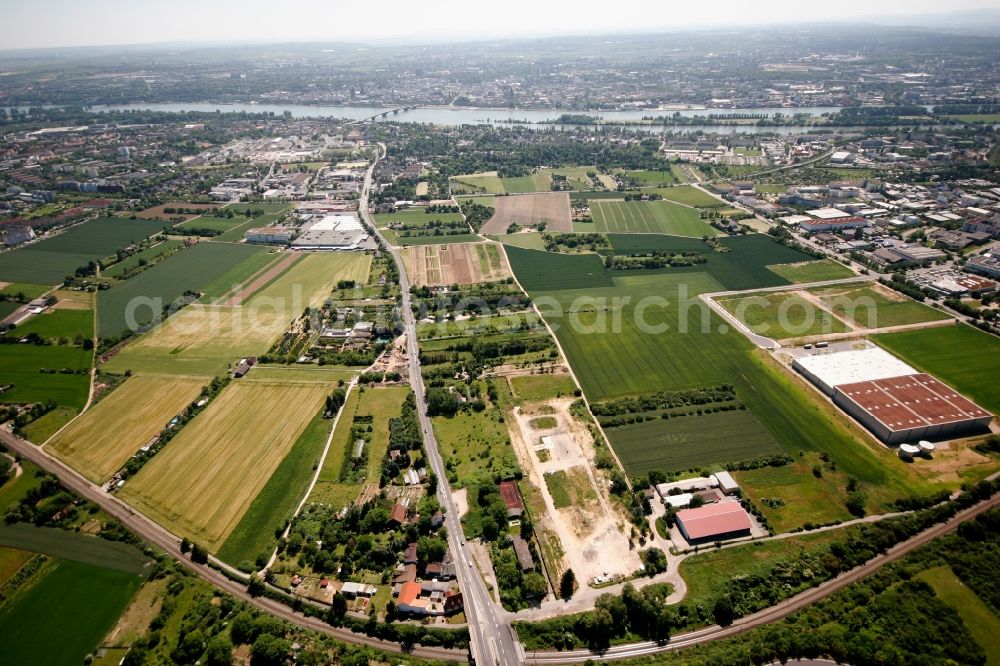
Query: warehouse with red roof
[{"x": 714, "y": 522}]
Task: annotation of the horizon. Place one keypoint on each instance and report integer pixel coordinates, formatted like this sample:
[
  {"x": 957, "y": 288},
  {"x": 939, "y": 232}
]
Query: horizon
[{"x": 175, "y": 28}]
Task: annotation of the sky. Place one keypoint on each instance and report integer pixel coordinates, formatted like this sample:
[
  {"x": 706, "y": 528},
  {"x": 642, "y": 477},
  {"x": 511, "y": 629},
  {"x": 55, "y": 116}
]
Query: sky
[{"x": 54, "y": 23}]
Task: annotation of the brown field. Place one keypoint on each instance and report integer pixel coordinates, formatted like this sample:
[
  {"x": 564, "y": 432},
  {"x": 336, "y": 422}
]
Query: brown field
[
  {"x": 460, "y": 263},
  {"x": 156, "y": 212},
  {"x": 73, "y": 300},
  {"x": 258, "y": 281},
  {"x": 201, "y": 484},
  {"x": 529, "y": 210},
  {"x": 99, "y": 442}
]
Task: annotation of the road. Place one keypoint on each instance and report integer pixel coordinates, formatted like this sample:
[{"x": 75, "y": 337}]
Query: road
[
  {"x": 774, "y": 613},
  {"x": 170, "y": 543},
  {"x": 492, "y": 637}
]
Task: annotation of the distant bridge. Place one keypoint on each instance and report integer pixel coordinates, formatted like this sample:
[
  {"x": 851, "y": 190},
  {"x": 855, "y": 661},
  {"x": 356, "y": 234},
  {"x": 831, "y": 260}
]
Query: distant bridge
[{"x": 384, "y": 114}]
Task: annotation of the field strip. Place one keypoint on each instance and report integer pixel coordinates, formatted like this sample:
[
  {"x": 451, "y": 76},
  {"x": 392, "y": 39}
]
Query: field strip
[
  {"x": 266, "y": 275},
  {"x": 319, "y": 468}
]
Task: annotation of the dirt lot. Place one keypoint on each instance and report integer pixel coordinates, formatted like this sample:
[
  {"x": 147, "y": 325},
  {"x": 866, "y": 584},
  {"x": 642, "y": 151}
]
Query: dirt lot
[
  {"x": 530, "y": 210},
  {"x": 592, "y": 534},
  {"x": 460, "y": 263},
  {"x": 157, "y": 212}
]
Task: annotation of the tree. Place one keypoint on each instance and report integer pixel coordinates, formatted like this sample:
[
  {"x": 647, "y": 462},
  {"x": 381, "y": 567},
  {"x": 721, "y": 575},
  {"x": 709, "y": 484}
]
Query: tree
[
  {"x": 723, "y": 611},
  {"x": 199, "y": 555},
  {"x": 185, "y": 545},
  {"x": 533, "y": 585},
  {"x": 269, "y": 650},
  {"x": 338, "y": 609},
  {"x": 256, "y": 586},
  {"x": 567, "y": 585},
  {"x": 241, "y": 629},
  {"x": 189, "y": 647},
  {"x": 219, "y": 651},
  {"x": 655, "y": 561}
]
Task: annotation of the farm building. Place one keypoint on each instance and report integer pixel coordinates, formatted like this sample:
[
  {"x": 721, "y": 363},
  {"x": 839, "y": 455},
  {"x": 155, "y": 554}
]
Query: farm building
[
  {"x": 523, "y": 553},
  {"x": 714, "y": 522},
  {"x": 897, "y": 403},
  {"x": 512, "y": 498}
]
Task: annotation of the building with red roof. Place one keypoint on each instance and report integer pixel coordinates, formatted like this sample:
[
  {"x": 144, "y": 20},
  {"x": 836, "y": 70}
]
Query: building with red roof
[
  {"x": 714, "y": 522},
  {"x": 512, "y": 498}
]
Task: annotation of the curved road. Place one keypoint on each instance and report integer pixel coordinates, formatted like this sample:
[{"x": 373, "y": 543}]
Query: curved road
[
  {"x": 170, "y": 543},
  {"x": 774, "y": 613}
]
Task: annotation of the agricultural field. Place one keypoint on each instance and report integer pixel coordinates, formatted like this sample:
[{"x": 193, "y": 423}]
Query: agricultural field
[
  {"x": 742, "y": 266},
  {"x": 782, "y": 315},
  {"x": 67, "y": 319},
  {"x": 160, "y": 213},
  {"x": 213, "y": 223},
  {"x": 415, "y": 217},
  {"x": 238, "y": 274},
  {"x": 623, "y": 360},
  {"x": 434, "y": 265},
  {"x": 187, "y": 270},
  {"x": 149, "y": 254},
  {"x": 180, "y": 345},
  {"x": 107, "y": 435},
  {"x": 530, "y": 210},
  {"x": 544, "y": 271},
  {"x": 540, "y": 181},
  {"x": 648, "y": 217},
  {"x": 959, "y": 355},
  {"x": 75, "y": 602},
  {"x": 645, "y": 178},
  {"x": 50, "y": 260},
  {"x": 812, "y": 271},
  {"x": 22, "y": 366},
  {"x": 74, "y": 546},
  {"x": 686, "y": 442},
  {"x": 528, "y": 240},
  {"x": 875, "y": 306},
  {"x": 29, "y": 291},
  {"x": 485, "y": 183},
  {"x": 203, "y": 482},
  {"x": 253, "y": 536},
  {"x": 982, "y": 623},
  {"x": 577, "y": 178},
  {"x": 406, "y": 241},
  {"x": 804, "y": 496},
  {"x": 688, "y": 195}
]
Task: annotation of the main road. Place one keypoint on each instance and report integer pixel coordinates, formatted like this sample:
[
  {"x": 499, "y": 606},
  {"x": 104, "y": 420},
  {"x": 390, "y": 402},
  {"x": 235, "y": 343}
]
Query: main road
[{"x": 491, "y": 635}]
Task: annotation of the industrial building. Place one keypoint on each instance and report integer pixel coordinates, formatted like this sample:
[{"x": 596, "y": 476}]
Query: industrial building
[
  {"x": 897, "y": 403},
  {"x": 714, "y": 522},
  {"x": 332, "y": 232}
]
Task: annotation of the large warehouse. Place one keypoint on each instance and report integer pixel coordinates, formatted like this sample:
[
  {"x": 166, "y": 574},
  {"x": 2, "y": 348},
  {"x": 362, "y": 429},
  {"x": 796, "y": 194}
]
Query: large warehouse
[
  {"x": 714, "y": 522},
  {"x": 893, "y": 400}
]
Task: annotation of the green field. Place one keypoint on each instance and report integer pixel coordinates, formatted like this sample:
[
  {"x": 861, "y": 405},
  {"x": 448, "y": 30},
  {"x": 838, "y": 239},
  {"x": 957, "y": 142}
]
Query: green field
[
  {"x": 812, "y": 271},
  {"x": 781, "y": 315},
  {"x": 415, "y": 217},
  {"x": 236, "y": 233},
  {"x": 434, "y": 240},
  {"x": 875, "y": 306},
  {"x": 50, "y": 260},
  {"x": 529, "y": 241},
  {"x": 254, "y": 534},
  {"x": 53, "y": 324},
  {"x": 743, "y": 266},
  {"x": 645, "y": 178},
  {"x": 30, "y": 291},
  {"x": 63, "y": 617},
  {"x": 220, "y": 224},
  {"x": 537, "y": 271},
  {"x": 806, "y": 497},
  {"x": 237, "y": 273},
  {"x": 570, "y": 487},
  {"x": 629, "y": 359},
  {"x": 132, "y": 261},
  {"x": 982, "y": 623},
  {"x": 477, "y": 183},
  {"x": 21, "y": 366},
  {"x": 689, "y": 196},
  {"x": 977, "y": 118},
  {"x": 76, "y": 547},
  {"x": 531, "y": 388},
  {"x": 686, "y": 442},
  {"x": 190, "y": 269},
  {"x": 648, "y": 217},
  {"x": 960, "y": 355},
  {"x": 536, "y": 182}
]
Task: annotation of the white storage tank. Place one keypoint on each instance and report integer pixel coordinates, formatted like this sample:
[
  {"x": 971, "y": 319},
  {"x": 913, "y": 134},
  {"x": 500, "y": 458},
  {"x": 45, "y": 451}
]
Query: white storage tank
[
  {"x": 907, "y": 451},
  {"x": 927, "y": 448}
]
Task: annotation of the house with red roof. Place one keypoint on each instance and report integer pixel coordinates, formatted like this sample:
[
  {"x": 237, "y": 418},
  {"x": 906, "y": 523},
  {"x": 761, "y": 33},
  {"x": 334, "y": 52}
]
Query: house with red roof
[{"x": 714, "y": 522}]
